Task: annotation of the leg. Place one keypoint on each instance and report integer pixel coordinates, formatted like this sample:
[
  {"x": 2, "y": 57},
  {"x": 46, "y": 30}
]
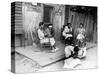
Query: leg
[{"x": 52, "y": 42}]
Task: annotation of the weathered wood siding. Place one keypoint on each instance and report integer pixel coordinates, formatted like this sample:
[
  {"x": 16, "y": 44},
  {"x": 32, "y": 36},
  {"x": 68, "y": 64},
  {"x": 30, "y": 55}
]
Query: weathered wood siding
[
  {"x": 58, "y": 20},
  {"x": 28, "y": 16},
  {"x": 32, "y": 17},
  {"x": 16, "y": 23},
  {"x": 89, "y": 21}
]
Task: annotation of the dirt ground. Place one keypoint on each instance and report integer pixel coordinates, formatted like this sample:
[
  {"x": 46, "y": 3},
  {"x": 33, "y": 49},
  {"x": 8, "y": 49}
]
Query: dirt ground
[
  {"x": 90, "y": 62},
  {"x": 24, "y": 64}
]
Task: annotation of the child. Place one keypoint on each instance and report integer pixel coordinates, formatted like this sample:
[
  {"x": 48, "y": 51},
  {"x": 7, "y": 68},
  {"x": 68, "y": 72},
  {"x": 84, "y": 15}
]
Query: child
[
  {"x": 72, "y": 57},
  {"x": 82, "y": 52},
  {"x": 80, "y": 35}
]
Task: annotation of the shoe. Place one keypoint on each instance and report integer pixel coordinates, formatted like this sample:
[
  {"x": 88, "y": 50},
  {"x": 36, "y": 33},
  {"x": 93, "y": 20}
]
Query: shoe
[
  {"x": 52, "y": 51},
  {"x": 55, "y": 49}
]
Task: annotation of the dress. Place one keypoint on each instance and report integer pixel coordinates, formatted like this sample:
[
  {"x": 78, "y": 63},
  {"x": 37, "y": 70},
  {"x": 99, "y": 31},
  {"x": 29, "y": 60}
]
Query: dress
[
  {"x": 67, "y": 34},
  {"x": 44, "y": 39},
  {"x": 80, "y": 37}
]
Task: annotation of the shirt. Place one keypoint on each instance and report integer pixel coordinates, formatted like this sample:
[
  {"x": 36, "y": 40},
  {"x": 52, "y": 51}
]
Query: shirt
[{"x": 40, "y": 34}]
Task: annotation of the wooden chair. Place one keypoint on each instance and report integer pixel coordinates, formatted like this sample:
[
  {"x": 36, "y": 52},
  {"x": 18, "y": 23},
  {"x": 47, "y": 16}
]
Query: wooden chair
[{"x": 43, "y": 45}]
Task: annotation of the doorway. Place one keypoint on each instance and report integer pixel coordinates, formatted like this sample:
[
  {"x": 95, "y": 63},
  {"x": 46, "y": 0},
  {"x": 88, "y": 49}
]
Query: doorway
[{"x": 48, "y": 14}]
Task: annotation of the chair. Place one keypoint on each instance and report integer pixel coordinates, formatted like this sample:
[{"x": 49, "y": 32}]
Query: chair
[{"x": 43, "y": 45}]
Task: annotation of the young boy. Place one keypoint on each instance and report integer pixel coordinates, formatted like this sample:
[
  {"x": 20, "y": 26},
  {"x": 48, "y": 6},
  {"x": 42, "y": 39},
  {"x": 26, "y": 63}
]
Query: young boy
[{"x": 73, "y": 55}]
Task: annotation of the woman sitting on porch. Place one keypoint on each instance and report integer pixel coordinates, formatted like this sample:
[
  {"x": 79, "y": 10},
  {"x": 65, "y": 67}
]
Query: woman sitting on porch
[
  {"x": 68, "y": 34},
  {"x": 45, "y": 36}
]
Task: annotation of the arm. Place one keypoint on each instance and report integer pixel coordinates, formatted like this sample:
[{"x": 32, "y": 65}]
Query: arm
[
  {"x": 64, "y": 34},
  {"x": 40, "y": 34}
]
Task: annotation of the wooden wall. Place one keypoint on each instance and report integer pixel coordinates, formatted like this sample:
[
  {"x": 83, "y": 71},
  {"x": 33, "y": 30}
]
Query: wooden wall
[
  {"x": 58, "y": 20},
  {"x": 89, "y": 20},
  {"x": 28, "y": 16},
  {"x": 16, "y": 23},
  {"x": 32, "y": 16}
]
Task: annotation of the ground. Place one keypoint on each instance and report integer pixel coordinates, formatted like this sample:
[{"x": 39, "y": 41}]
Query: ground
[
  {"x": 89, "y": 62},
  {"x": 27, "y": 64}
]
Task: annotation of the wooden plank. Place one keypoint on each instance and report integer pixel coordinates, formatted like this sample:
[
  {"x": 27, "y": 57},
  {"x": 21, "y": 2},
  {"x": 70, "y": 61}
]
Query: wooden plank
[
  {"x": 18, "y": 3},
  {"x": 18, "y": 6},
  {"x": 18, "y": 18},
  {"x": 18, "y": 27},
  {"x": 18, "y": 14},
  {"x": 18, "y": 31},
  {"x": 19, "y": 9},
  {"x": 18, "y": 21},
  {"x": 44, "y": 58}
]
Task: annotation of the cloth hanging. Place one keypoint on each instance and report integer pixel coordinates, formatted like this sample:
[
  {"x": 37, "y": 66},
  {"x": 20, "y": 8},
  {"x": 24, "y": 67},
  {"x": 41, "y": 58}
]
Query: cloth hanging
[{"x": 31, "y": 19}]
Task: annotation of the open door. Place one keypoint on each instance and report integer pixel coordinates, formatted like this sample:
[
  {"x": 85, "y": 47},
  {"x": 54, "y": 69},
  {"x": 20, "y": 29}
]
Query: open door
[{"x": 47, "y": 14}]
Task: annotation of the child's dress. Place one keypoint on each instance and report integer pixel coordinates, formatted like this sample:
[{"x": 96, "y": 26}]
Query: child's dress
[
  {"x": 80, "y": 36},
  {"x": 71, "y": 63},
  {"x": 81, "y": 32},
  {"x": 82, "y": 52}
]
